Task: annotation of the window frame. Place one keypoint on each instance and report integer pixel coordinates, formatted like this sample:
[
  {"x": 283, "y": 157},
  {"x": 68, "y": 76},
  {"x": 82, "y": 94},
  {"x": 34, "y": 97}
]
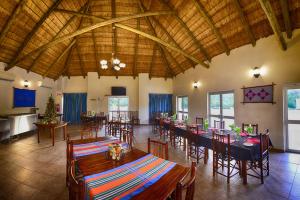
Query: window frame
[
  {"x": 183, "y": 113},
  {"x": 220, "y": 116}
]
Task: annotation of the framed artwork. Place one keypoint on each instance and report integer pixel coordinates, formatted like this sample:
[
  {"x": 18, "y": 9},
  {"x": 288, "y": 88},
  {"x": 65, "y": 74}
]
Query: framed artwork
[{"x": 259, "y": 94}]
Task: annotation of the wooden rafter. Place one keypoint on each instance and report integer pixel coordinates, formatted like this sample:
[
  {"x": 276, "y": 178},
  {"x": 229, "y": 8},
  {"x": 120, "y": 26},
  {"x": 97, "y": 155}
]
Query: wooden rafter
[
  {"x": 188, "y": 31},
  {"x": 66, "y": 65},
  {"x": 266, "y": 6},
  {"x": 55, "y": 37},
  {"x": 114, "y": 33},
  {"x": 136, "y": 46},
  {"x": 245, "y": 22},
  {"x": 286, "y": 17},
  {"x": 152, "y": 60},
  {"x": 156, "y": 39},
  {"x": 209, "y": 21},
  {"x": 59, "y": 58},
  {"x": 159, "y": 45},
  {"x": 27, "y": 39},
  {"x": 89, "y": 28},
  {"x": 11, "y": 19},
  {"x": 171, "y": 38},
  {"x": 80, "y": 60}
]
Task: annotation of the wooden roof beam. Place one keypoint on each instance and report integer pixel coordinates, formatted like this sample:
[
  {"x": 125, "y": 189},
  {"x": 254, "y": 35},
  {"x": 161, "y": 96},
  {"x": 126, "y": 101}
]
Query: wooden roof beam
[
  {"x": 56, "y": 36},
  {"x": 171, "y": 38},
  {"x": 59, "y": 58},
  {"x": 152, "y": 60},
  {"x": 27, "y": 39},
  {"x": 80, "y": 60},
  {"x": 114, "y": 32},
  {"x": 66, "y": 65},
  {"x": 89, "y": 28},
  {"x": 136, "y": 46},
  {"x": 159, "y": 45},
  {"x": 209, "y": 21},
  {"x": 245, "y": 22},
  {"x": 266, "y": 6},
  {"x": 96, "y": 53},
  {"x": 188, "y": 31},
  {"x": 11, "y": 19},
  {"x": 286, "y": 17}
]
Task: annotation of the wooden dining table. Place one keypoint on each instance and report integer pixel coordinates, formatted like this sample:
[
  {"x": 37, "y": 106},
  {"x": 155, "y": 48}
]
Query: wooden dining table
[
  {"x": 52, "y": 128},
  {"x": 161, "y": 189}
]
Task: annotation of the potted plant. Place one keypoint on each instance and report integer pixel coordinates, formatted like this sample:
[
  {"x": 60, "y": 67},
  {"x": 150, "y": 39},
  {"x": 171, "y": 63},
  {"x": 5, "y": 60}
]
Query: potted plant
[
  {"x": 249, "y": 129},
  {"x": 205, "y": 125},
  {"x": 237, "y": 131},
  {"x": 232, "y": 127}
]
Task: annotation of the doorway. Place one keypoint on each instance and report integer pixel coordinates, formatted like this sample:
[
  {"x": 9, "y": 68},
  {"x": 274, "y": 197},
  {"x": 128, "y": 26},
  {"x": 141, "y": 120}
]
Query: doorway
[{"x": 292, "y": 117}]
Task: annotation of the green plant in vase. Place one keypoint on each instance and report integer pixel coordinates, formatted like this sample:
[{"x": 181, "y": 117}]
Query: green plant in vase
[
  {"x": 174, "y": 117},
  {"x": 237, "y": 131},
  {"x": 205, "y": 125},
  {"x": 232, "y": 127},
  {"x": 249, "y": 129}
]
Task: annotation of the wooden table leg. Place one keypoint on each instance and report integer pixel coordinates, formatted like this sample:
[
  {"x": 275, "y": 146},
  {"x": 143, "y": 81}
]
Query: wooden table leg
[
  {"x": 205, "y": 155},
  {"x": 244, "y": 171},
  {"x": 53, "y": 135},
  {"x": 38, "y": 135},
  {"x": 65, "y": 131}
]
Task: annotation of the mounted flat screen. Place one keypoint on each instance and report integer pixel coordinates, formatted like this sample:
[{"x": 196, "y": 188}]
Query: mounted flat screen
[
  {"x": 118, "y": 91},
  {"x": 24, "y": 98}
]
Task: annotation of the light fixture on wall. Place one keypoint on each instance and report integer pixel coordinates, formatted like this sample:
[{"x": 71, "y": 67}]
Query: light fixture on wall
[
  {"x": 196, "y": 84},
  {"x": 256, "y": 72},
  {"x": 26, "y": 83},
  {"x": 40, "y": 83}
]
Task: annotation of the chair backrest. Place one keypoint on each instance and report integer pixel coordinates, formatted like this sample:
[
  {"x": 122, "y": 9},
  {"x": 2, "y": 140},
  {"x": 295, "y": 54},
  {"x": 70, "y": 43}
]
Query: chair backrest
[
  {"x": 255, "y": 127},
  {"x": 158, "y": 148},
  {"x": 264, "y": 142},
  {"x": 221, "y": 143},
  {"x": 189, "y": 186},
  {"x": 126, "y": 135},
  {"x": 76, "y": 185},
  {"x": 199, "y": 120},
  {"x": 219, "y": 124}
]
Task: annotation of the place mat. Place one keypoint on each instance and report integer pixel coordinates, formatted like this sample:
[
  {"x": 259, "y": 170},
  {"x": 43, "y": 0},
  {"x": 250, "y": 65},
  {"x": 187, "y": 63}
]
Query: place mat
[
  {"x": 94, "y": 147},
  {"x": 253, "y": 140},
  {"x": 244, "y": 134},
  {"x": 200, "y": 132},
  {"x": 128, "y": 180},
  {"x": 231, "y": 140}
]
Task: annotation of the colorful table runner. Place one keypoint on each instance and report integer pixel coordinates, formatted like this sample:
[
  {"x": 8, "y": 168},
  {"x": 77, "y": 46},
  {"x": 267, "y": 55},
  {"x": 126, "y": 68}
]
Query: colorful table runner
[
  {"x": 94, "y": 147},
  {"x": 128, "y": 180}
]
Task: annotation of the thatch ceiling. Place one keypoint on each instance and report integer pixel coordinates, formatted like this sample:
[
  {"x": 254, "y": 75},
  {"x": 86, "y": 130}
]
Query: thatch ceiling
[{"x": 173, "y": 35}]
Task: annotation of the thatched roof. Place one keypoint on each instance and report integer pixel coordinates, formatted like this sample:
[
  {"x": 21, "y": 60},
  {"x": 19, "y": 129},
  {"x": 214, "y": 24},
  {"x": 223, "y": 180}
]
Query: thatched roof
[{"x": 159, "y": 37}]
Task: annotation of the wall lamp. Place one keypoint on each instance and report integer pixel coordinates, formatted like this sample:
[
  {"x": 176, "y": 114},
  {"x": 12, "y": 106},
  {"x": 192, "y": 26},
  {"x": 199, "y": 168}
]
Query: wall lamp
[
  {"x": 196, "y": 84},
  {"x": 256, "y": 72},
  {"x": 26, "y": 83}
]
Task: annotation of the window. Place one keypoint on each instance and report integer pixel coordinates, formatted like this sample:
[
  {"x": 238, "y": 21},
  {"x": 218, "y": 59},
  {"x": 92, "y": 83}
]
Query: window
[
  {"x": 118, "y": 106},
  {"x": 221, "y": 108},
  {"x": 182, "y": 107}
]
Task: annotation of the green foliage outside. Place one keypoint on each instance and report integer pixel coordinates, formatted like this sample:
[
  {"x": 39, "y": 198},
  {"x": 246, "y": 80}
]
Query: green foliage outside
[{"x": 292, "y": 96}]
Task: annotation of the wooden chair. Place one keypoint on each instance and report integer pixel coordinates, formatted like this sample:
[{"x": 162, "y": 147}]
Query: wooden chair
[
  {"x": 219, "y": 124},
  {"x": 127, "y": 135},
  {"x": 76, "y": 185},
  {"x": 260, "y": 166},
  {"x": 222, "y": 157},
  {"x": 158, "y": 148},
  {"x": 162, "y": 131},
  {"x": 189, "y": 186},
  {"x": 195, "y": 151},
  {"x": 255, "y": 127},
  {"x": 199, "y": 120},
  {"x": 88, "y": 129}
]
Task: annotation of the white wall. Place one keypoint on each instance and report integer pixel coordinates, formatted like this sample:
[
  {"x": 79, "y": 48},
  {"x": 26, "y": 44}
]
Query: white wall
[
  {"x": 146, "y": 86},
  {"x": 99, "y": 90},
  {"x": 19, "y": 75},
  {"x": 232, "y": 73}
]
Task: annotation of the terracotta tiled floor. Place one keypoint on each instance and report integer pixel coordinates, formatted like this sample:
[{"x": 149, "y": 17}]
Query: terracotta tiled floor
[{"x": 29, "y": 170}]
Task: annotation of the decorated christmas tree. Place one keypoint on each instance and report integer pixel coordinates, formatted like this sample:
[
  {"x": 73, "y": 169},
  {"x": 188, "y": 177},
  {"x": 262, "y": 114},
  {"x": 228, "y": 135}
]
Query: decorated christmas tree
[{"x": 50, "y": 113}]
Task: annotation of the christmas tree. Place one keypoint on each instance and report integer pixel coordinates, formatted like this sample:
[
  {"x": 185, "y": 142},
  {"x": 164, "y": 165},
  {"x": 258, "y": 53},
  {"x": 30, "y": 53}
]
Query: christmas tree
[{"x": 50, "y": 114}]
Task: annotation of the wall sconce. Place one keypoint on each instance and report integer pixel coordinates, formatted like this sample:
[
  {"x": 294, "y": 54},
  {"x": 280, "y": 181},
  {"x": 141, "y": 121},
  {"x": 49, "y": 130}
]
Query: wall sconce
[
  {"x": 26, "y": 83},
  {"x": 39, "y": 83},
  {"x": 256, "y": 72},
  {"x": 196, "y": 84}
]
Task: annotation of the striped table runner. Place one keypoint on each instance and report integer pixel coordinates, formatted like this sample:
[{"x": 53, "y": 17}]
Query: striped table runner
[
  {"x": 94, "y": 147},
  {"x": 128, "y": 180}
]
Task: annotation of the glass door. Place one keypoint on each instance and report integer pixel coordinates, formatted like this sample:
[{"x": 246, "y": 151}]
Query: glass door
[
  {"x": 292, "y": 118},
  {"x": 221, "y": 108},
  {"x": 118, "y": 107}
]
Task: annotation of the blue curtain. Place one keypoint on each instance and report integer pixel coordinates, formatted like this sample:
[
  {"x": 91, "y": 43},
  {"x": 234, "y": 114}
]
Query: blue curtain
[
  {"x": 159, "y": 103},
  {"x": 74, "y": 105}
]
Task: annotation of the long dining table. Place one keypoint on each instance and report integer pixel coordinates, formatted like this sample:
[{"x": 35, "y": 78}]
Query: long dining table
[
  {"x": 239, "y": 151},
  {"x": 139, "y": 175}
]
